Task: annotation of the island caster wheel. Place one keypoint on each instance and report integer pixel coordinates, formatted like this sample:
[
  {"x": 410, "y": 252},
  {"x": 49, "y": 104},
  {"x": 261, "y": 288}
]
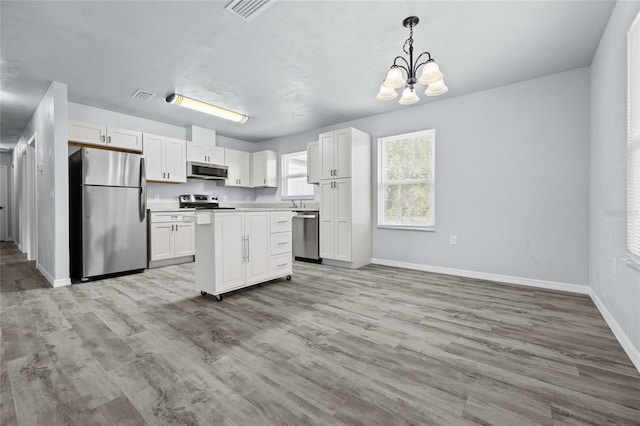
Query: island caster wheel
[
  {"x": 203, "y": 293},
  {"x": 288, "y": 277},
  {"x": 218, "y": 297}
]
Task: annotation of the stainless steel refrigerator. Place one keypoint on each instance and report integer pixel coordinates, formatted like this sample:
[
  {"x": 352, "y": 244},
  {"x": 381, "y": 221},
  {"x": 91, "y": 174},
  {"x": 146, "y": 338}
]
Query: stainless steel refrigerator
[{"x": 107, "y": 213}]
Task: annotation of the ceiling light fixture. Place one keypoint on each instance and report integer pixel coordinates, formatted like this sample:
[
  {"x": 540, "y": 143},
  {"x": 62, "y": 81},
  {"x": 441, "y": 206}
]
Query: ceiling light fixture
[
  {"x": 200, "y": 106},
  {"x": 430, "y": 77}
]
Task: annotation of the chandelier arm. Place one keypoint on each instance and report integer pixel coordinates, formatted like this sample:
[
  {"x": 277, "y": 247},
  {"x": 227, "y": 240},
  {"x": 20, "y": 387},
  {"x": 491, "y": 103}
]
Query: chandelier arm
[
  {"x": 406, "y": 69},
  {"x": 416, "y": 65}
]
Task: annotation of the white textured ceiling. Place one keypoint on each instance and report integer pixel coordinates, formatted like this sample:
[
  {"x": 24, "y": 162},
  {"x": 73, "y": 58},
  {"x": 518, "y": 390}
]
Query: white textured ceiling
[{"x": 297, "y": 66}]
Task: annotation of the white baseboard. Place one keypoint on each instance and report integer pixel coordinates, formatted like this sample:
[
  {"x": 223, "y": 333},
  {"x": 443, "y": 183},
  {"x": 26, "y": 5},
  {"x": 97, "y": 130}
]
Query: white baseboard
[
  {"x": 54, "y": 283},
  {"x": 531, "y": 282},
  {"x": 631, "y": 351}
]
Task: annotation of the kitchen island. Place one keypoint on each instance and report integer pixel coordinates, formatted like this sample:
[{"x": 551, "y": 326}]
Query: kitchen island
[{"x": 240, "y": 248}]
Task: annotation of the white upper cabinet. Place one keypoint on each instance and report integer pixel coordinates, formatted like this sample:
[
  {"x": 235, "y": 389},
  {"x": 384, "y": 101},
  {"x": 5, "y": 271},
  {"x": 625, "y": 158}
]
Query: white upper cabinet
[
  {"x": 108, "y": 137},
  {"x": 335, "y": 154},
  {"x": 124, "y": 139},
  {"x": 87, "y": 133},
  {"x": 239, "y": 163},
  {"x": 205, "y": 153},
  {"x": 313, "y": 162},
  {"x": 264, "y": 169},
  {"x": 165, "y": 158}
]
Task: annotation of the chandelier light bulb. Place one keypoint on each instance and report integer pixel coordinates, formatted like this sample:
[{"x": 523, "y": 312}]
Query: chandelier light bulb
[
  {"x": 386, "y": 93},
  {"x": 409, "y": 96},
  {"x": 394, "y": 79},
  {"x": 436, "y": 89},
  {"x": 430, "y": 73}
]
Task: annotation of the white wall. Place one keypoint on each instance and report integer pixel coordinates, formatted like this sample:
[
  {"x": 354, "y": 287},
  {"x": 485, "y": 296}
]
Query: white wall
[
  {"x": 511, "y": 179},
  {"x": 49, "y": 125},
  {"x": 619, "y": 288}
]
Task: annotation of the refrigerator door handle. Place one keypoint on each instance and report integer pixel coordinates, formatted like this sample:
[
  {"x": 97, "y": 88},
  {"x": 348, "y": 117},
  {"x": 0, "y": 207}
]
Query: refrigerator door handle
[{"x": 143, "y": 190}]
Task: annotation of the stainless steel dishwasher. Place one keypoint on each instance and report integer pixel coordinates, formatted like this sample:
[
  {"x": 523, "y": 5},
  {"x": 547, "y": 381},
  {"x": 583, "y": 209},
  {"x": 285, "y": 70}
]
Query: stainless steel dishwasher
[{"x": 306, "y": 236}]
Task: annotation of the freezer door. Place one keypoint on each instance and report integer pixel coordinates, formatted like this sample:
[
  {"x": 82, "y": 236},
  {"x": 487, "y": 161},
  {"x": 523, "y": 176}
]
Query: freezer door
[
  {"x": 110, "y": 168},
  {"x": 114, "y": 237}
]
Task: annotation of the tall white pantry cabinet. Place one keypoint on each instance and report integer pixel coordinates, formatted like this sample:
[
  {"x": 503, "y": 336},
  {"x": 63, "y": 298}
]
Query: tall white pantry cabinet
[{"x": 345, "y": 198}]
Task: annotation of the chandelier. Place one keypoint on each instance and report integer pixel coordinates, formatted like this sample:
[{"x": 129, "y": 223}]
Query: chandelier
[{"x": 430, "y": 77}]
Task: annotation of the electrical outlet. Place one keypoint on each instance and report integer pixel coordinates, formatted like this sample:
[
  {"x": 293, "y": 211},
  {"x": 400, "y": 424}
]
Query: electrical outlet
[
  {"x": 156, "y": 196},
  {"x": 453, "y": 240}
]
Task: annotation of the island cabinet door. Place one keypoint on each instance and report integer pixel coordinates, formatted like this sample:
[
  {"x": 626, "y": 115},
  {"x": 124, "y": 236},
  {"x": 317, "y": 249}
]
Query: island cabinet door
[
  {"x": 230, "y": 249},
  {"x": 257, "y": 240}
]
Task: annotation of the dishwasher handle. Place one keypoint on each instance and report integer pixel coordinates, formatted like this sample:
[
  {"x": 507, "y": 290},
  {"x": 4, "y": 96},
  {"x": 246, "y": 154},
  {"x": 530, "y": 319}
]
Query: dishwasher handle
[{"x": 305, "y": 216}]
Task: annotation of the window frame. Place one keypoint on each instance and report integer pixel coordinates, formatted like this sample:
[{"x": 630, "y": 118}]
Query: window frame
[
  {"x": 284, "y": 179},
  {"x": 381, "y": 184},
  {"x": 633, "y": 146}
]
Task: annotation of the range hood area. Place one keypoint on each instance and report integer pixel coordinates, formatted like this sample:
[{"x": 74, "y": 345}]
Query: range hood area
[{"x": 198, "y": 169}]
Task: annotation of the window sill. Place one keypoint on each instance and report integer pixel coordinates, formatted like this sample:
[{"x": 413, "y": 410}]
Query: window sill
[
  {"x": 409, "y": 228},
  {"x": 299, "y": 197},
  {"x": 633, "y": 262}
]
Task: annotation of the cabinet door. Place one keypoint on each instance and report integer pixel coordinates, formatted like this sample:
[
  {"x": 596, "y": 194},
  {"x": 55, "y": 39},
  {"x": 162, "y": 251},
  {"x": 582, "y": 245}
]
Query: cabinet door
[
  {"x": 327, "y": 220},
  {"x": 174, "y": 160},
  {"x": 313, "y": 162},
  {"x": 326, "y": 155},
  {"x": 184, "y": 239},
  {"x": 162, "y": 241},
  {"x": 215, "y": 155},
  {"x": 154, "y": 154},
  {"x": 230, "y": 250},
  {"x": 244, "y": 169},
  {"x": 259, "y": 240},
  {"x": 87, "y": 133},
  {"x": 197, "y": 152},
  {"x": 342, "y": 152},
  {"x": 342, "y": 211},
  {"x": 125, "y": 139},
  {"x": 259, "y": 169},
  {"x": 231, "y": 161}
]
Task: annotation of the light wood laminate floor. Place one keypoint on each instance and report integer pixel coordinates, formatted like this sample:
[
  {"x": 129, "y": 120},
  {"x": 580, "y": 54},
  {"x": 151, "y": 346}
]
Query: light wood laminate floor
[{"x": 375, "y": 346}]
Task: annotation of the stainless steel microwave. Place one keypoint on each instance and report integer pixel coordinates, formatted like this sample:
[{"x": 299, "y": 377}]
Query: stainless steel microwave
[{"x": 206, "y": 171}]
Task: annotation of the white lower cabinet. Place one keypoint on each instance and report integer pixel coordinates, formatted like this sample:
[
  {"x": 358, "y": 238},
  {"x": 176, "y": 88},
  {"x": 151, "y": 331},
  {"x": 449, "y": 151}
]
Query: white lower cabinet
[
  {"x": 236, "y": 249},
  {"x": 335, "y": 219},
  {"x": 171, "y": 238}
]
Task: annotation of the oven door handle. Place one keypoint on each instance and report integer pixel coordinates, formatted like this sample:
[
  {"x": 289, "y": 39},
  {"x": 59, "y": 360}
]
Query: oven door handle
[{"x": 305, "y": 216}]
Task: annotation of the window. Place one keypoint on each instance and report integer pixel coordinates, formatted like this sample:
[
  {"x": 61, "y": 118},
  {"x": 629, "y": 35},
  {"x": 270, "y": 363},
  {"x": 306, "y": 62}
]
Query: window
[
  {"x": 294, "y": 177},
  {"x": 406, "y": 181},
  {"x": 633, "y": 144}
]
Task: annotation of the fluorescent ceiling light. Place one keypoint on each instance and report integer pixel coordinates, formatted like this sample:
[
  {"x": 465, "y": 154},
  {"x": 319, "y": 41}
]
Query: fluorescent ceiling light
[{"x": 200, "y": 106}]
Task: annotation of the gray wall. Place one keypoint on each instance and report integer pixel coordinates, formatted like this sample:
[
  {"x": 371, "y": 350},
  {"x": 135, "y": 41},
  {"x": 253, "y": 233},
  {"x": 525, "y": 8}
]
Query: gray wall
[
  {"x": 50, "y": 125},
  {"x": 619, "y": 288},
  {"x": 511, "y": 179}
]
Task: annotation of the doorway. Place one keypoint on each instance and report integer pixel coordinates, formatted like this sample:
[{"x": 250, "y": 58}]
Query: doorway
[
  {"x": 29, "y": 201},
  {"x": 4, "y": 208}
]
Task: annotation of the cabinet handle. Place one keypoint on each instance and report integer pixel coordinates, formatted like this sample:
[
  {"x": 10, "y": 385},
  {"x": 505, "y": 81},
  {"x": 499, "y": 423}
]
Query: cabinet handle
[
  {"x": 282, "y": 221},
  {"x": 102, "y": 138},
  {"x": 248, "y": 250},
  {"x": 282, "y": 264},
  {"x": 164, "y": 175},
  {"x": 265, "y": 181},
  {"x": 168, "y": 175},
  {"x": 109, "y": 139},
  {"x": 282, "y": 243}
]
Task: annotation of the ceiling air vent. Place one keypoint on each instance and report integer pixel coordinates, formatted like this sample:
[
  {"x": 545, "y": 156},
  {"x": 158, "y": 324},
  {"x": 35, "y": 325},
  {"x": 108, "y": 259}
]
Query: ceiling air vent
[
  {"x": 248, "y": 9},
  {"x": 143, "y": 95}
]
